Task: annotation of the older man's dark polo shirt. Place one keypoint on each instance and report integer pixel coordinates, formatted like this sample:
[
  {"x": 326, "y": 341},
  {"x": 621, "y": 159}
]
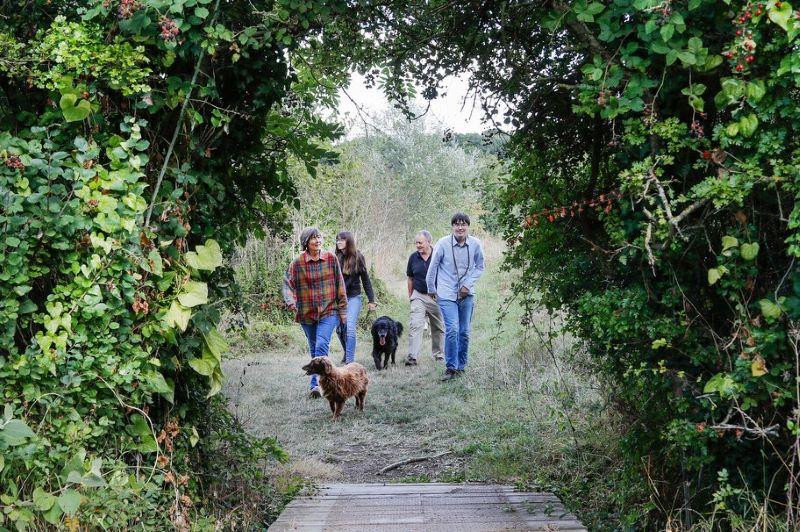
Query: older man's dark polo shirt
[{"x": 417, "y": 269}]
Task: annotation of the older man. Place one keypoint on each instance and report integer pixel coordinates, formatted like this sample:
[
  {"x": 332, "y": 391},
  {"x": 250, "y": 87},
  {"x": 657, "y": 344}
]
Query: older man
[
  {"x": 423, "y": 306},
  {"x": 456, "y": 265}
]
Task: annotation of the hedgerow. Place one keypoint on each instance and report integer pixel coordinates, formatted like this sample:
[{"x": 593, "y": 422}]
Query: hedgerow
[{"x": 139, "y": 141}]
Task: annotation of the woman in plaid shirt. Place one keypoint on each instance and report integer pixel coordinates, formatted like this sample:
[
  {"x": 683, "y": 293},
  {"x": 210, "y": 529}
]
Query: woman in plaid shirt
[{"x": 313, "y": 287}]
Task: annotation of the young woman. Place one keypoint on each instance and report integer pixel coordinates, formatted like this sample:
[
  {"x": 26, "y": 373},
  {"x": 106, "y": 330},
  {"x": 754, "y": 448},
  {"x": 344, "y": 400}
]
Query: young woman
[
  {"x": 354, "y": 269},
  {"x": 313, "y": 287}
]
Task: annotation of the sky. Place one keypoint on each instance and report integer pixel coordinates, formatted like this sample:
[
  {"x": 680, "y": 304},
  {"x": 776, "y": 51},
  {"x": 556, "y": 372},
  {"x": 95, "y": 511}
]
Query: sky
[{"x": 446, "y": 112}]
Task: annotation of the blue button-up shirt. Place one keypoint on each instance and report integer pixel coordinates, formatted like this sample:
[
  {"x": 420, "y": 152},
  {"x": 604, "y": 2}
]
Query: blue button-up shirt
[{"x": 454, "y": 265}]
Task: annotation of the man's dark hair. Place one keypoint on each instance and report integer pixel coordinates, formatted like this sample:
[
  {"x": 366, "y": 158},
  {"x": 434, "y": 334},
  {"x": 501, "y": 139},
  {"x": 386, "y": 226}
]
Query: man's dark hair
[{"x": 459, "y": 217}]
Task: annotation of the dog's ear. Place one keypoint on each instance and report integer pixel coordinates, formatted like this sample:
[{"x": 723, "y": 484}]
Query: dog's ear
[
  {"x": 399, "y": 328},
  {"x": 326, "y": 364}
]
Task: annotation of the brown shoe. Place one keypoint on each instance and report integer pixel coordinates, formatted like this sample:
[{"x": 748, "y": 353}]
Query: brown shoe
[{"x": 449, "y": 375}]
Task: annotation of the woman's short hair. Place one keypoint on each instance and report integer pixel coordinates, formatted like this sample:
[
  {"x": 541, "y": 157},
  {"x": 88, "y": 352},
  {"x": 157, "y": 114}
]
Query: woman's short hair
[
  {"x": 459, "y": 217},
  {"x": 307, "y": 234},
  {"x": 426, "y": 234}
]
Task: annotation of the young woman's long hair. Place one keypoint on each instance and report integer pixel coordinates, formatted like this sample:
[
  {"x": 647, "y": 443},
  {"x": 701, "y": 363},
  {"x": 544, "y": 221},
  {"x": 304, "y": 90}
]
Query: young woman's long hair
[{"x": 348, "y": 257}]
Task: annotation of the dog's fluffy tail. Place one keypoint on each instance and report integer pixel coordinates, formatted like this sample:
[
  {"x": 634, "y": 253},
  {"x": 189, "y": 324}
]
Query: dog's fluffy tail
[{"x": 399, "y": 329}]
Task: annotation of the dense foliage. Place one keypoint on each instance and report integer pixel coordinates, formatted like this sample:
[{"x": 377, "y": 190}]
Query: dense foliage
[
  {"x": 139, "y": 139},
  {"x": 686, "y": 291}
]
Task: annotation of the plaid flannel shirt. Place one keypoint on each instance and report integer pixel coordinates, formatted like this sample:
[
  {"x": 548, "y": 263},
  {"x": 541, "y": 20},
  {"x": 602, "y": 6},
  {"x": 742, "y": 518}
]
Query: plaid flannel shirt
[{"x": 316, "y": 287}]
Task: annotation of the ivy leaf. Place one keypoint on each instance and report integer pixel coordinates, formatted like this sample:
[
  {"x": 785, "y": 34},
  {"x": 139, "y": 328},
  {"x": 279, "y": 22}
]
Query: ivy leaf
[
  {"x": 69, "y": 501},
  {"x": 758, "y": 367},
  {"x": 74, "y": 112},
  {"x": 749, "y": 251},
  {"x": 194, "y": 293},
  {"x": 207, "y": 257}
]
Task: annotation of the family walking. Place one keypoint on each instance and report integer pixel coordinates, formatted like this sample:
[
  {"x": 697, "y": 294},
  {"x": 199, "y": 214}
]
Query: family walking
[{"x": 324, "y": 290}]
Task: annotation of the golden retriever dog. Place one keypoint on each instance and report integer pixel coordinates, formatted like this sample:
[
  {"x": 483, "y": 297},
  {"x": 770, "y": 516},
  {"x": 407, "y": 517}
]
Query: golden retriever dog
[{"x": 338, "y": 384}]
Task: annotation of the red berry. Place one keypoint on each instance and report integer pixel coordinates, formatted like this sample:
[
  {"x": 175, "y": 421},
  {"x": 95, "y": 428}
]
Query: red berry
[{"x": 739, "y": 67}]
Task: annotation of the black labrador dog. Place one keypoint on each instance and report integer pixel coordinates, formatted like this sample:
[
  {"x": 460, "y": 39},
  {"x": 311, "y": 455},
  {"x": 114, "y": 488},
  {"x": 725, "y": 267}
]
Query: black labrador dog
[{"x": 385, "y": 332}]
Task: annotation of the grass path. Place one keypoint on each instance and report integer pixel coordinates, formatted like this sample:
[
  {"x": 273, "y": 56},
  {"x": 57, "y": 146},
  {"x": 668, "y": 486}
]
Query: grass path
[{"x": 409, "y": 412}]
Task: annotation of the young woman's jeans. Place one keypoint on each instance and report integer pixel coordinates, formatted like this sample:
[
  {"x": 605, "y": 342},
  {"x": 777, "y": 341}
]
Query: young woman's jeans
[
  {"x": 319, "y": 338},
  {"x": 353, "y": 310},
  {"x": 457, "y": 320}
]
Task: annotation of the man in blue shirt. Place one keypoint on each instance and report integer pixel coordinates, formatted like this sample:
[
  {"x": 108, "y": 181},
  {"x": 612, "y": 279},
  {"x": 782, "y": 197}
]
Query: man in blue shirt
[{"x": 456, "y": 265}]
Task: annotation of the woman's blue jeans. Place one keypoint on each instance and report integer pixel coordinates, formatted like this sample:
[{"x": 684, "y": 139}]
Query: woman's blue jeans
[
  {"x": 457, "y": 317},
  {"x": 319, "y": 338},
  {"x": 353, "y": 310}
]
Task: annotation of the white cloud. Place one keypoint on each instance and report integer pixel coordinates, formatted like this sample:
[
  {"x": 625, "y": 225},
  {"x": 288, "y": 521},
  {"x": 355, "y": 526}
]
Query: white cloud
[{"x": 449, "y": 111}]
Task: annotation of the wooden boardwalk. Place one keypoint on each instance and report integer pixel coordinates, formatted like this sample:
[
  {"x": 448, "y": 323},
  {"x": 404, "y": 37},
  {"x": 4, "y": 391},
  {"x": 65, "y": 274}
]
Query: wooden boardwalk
[{"x": 424, "y": 507}]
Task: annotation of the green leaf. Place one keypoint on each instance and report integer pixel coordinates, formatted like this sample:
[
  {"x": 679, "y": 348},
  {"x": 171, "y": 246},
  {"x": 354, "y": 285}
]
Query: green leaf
[
  {"x": 74, "y": 112},
  {"x": 215, "y": 344},
  {"x": 178, "y": 316},
  {"x": 732, "y": 130},
  {"x": 748, "y": 125},
  {"x": 749, "y": 251},
  {"x": 769, "y": 309},
  {"x": 160, "y": 385},
  {"x": 43, "y": 500},
  {"x": 207, "y": 257},
  {"x": 155, "y": 263},
  {"x": 721, "y": 383},
  {"x": 758, "y": 367},
  {"x": 69, "y": 501},
  {"x": 595, "y": 8},
  {"x": 202, "y": 366},
  {"x": 667, "y": 30},
  {"x": 729, "y": 242},
  {"x": 53, "y": 515},
  {"x": 194, "y": 293},
  {"x": 781, "y": 15},
  {"x": 658, "y": 344},
  {"x": 201, "y": 12},
  {"x": 756, "y": 90},
  {"x": 715, "y": 274},
  {"x": 15, "y": 432}
]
